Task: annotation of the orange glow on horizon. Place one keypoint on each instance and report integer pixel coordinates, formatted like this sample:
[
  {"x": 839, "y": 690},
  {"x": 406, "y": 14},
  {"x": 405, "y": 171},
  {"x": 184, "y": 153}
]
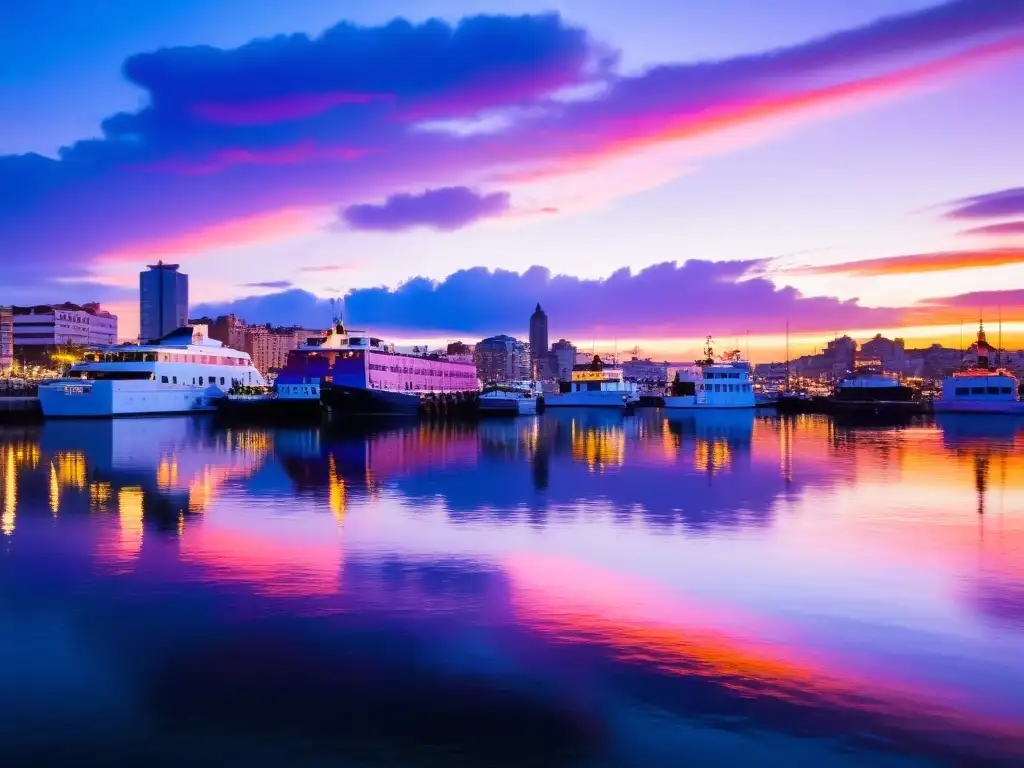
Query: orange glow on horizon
[{"x": 940, "y": 261}]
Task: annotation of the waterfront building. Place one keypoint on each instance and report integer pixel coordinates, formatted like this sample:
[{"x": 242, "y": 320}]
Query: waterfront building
[
  {"x": 890, "y": 352},
  {"x": 503, "y": 358},
  {"x": 6, "y": 339},
  {"x": 163, "y": 301},
  {"x": 563, "y": 354},
  {"x": 539, "y": 354},
  {"x": 646, "y": 371},
  {"x": 38, "y": 331},
  {"x": 229, "y": 330},
  {"x": 269, "y": 347}
]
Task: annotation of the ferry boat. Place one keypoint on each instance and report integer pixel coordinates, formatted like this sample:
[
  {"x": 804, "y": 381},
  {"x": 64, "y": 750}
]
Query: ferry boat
[
  {"x": 711, "y": 383},
  {"x": 980, "y": 389},
  {"x": 595, "y": 385},
  {"x": 184, "y": 372},
  {"x": 359, "y": 373},
  {"x": 517, "y": 398}
]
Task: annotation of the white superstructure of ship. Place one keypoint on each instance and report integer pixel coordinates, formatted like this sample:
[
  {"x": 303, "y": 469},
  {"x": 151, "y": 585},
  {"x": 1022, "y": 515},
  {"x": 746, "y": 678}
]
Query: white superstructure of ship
[
  {"x": 712, "y": 384},
  {"x": 184, "y": 372}
]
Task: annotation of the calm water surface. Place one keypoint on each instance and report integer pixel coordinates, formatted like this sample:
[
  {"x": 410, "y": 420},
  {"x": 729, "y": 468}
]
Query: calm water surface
[{"x": 582, "y": 589}]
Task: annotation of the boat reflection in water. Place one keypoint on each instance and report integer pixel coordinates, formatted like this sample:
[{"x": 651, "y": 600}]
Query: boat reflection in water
[{"x": 583, "y": 588}]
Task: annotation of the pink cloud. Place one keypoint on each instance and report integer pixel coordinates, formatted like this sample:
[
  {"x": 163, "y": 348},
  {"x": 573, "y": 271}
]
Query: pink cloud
[
  {"x": 251, "y": 230},
  {"x": 293, "y": 107}
]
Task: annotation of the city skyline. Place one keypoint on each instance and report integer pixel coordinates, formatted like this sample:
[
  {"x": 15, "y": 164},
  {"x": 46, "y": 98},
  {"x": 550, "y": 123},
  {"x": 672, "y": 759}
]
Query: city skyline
[{"x": 647, "y": 177}]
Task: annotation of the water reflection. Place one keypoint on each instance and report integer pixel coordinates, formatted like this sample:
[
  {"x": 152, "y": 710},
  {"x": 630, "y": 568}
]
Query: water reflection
[{"x": 606, "y": 587}]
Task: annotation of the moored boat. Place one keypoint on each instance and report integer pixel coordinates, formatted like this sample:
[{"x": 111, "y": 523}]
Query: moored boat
[
  {"x": 361, "y": 374},
  {"x": 595, "y": 385},
  {"x": 514, "y": 399},
  {"x": 184, "y": 372},
  {"x": 981, "y": 389},
  {"x": 711, "y": 383}
]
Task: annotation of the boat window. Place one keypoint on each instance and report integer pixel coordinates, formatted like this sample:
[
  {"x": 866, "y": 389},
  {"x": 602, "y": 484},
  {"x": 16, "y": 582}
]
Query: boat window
[
  {"x": 200, "y": 381},
  {"x": 174, "y": 379},
  {"x": 993, "y": 390},
  {"x": 1005, "y": 390},
  {"x": 222, "y": 380},
  {"x": 163, "y": 380},
  {"x": 977, "y": 390},
  {"x": 593, "y": 386},
  {"x": 961, "y": 391},
  {"x": 718, "y": 387}
]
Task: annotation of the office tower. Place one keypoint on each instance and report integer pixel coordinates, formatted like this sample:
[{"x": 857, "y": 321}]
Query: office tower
[{"x": 163, "y": 301}]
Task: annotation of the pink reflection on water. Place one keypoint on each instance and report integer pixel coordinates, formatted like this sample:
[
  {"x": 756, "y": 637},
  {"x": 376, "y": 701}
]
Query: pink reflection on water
[{"x": 641, "y": 622}]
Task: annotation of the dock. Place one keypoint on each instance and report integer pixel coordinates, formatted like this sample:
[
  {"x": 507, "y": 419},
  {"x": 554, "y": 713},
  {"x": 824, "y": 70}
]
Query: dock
[{"x": 20, "y": 410}]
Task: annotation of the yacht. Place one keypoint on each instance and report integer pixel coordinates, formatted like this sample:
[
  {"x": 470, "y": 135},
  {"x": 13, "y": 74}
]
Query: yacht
[
  {"x": 184, "y": 372},
  {"x": 869, "y": 384},
  {"x": 711, "y": 383},
  {"x": 516, "y": 398},
  {"x": 595, "y": 385},
  {"x": 980, "y": 389}
]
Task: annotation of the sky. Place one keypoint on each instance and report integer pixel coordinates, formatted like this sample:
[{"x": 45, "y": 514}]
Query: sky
[{"x": 650, "y": 173}]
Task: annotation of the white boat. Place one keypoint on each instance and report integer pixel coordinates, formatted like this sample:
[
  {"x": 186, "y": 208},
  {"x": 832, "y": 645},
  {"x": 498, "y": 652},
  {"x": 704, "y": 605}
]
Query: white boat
[
  {"x": 516, "y": 398},
  {"x": 981, "y": 389},
  {"x": 714, "y": 384},
  {"x": 595, "y": 386},
  {"x": 182, "y": 373}
]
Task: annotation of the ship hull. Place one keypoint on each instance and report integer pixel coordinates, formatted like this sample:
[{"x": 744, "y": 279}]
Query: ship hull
[
  {"x": 994, "y": 408},
  {"x": 343, "y": 400},
  {"x": 589, "y": 399},
  {"x": 690, "y": 403},
  {"x": 77, "y": 399}
]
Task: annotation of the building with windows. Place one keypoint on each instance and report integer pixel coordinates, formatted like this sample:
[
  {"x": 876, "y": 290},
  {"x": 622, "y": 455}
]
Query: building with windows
[
  {"x": 163, "y": 301},
  {"x": 269, "y": 347},
  {"x": 563, "y": 358},
  {"x": 502, "y": 358},
  {"x": 229, "y": 330},
  {"x": 38, "y": 331},
  {"x": 6, "y": 339},
  {"x": 539, "y": 356}
]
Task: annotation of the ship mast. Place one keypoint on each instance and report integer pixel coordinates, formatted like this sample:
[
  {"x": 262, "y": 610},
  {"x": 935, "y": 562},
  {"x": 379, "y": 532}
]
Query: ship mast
[{"x": 787, "y": 354}]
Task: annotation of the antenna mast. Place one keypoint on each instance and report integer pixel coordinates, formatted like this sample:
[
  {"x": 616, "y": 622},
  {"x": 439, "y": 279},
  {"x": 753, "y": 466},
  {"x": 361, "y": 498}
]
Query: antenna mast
[
  {"x": 999, "y": 343},
  {"x": 787, "y": 354}
]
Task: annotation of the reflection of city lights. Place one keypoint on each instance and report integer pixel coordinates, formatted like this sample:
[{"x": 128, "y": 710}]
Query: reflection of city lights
[
  {"x": 599, "y": 447},
  {"x": 712, "y": 455},
  {"x": 70, "y": 469},
  {"x": 10, "y": 493},
  {"x": 167, "y": 473},
  {"x": 99, "y": 496},
  {"x": 129, "y": 509},
  {"x": 335, "y": 489},
  {"x": 54, "y": 490}
]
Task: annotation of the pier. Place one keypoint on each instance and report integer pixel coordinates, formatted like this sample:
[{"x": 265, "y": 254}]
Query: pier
[{"x": 20, "y": 410}]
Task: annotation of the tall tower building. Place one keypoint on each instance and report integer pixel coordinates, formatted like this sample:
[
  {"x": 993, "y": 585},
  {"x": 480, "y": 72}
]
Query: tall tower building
[
  {"x": 539, "y": 344},
  {"x": 163, "y": 301}
]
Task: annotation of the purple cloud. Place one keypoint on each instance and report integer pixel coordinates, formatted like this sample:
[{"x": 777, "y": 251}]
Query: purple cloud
[
  {"x": 665, "y": 300},
  {"x": 445, "y": 209},
  {"x": 1006, "y": 202},
  {"x": 1004, "y": 228},
  {"x": 278, "y": 284},
  {"x": 295, "y": 122}
]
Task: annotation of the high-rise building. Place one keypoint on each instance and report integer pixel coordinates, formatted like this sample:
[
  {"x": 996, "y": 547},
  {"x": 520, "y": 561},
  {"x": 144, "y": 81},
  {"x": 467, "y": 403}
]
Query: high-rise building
[
  {"x": 564, "y": 354},
  {"x": 6, "y": 338},
  {"x": 39, "y": 330},
  {"x": 163, "y": 301},
  {"x": 539, "y": 344},
  {"x": 502, "y": 358}
]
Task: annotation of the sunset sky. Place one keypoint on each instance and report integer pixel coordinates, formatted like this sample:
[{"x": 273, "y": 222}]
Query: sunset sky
[{"x": 650, "y": 172}]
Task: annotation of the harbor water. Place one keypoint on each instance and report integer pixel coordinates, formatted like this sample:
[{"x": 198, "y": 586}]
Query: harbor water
[{"x": 584, "y": 588}]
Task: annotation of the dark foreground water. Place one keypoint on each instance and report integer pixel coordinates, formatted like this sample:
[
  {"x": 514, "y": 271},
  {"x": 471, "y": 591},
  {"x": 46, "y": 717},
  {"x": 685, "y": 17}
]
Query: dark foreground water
[{"x": 583, "y": 589}]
